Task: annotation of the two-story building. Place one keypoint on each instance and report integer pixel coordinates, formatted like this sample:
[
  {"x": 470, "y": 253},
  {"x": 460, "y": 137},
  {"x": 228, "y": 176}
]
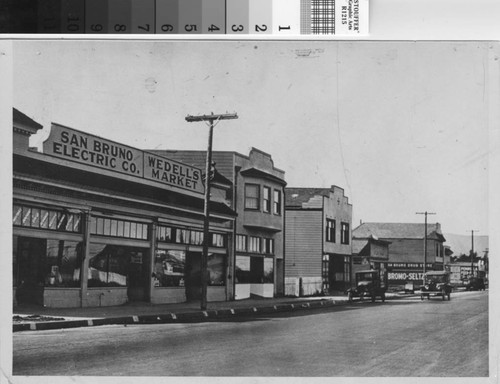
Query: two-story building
[
  {"x": 317, "y": 240},
  {"x": 99, "y": 223},
  {"x": 369, "y": 253},
  {"x": 406, "y": 250},
  {"x": 256, "y": 195}
]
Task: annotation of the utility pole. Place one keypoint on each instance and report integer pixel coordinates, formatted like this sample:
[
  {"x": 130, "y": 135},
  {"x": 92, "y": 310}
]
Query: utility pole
[
  {"x": 472, "y": 252},
  {"x": 212, "y": 120},
  {"x": 425, "y": 239}
]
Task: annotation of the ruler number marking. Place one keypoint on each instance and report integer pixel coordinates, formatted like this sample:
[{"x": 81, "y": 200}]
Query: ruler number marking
[{"x": 213, "y": 28}]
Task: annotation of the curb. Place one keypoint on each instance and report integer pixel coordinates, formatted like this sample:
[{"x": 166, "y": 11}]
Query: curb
[{"x": 182, "y": 317}]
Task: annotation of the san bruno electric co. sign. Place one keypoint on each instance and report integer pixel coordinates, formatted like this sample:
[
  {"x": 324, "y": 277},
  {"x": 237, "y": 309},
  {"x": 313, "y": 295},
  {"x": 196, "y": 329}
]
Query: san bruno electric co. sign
[{"x": 70, "y": 144}]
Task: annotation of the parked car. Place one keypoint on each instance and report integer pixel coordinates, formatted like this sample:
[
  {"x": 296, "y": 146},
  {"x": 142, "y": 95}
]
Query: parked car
[
  {"x": 475, "y": 283},
  {"x": 436, "y": 283},
  {"x": 370, "y": 283},
  {"x": 409, "y": 287}
]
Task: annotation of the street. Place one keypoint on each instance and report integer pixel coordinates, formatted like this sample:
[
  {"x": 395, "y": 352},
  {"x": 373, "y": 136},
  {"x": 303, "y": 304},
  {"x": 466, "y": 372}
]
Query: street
[{"x": 404, "y": 337}]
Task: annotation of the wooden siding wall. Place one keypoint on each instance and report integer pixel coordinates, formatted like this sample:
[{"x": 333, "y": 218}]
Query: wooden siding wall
[
  {"x": 411, "y": 251},
  {"x": 303, "y": 243}
]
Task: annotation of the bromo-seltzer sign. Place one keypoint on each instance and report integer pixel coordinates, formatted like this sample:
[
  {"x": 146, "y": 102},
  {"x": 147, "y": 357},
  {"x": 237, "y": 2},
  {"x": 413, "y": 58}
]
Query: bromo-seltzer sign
[{"x": 70, "y": 144}]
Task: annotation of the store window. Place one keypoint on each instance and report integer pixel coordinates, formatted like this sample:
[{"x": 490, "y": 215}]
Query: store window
[
  {"x": 252, "y": 196},
  {"x": 218, "y": 240},
  {"x": 268, "y": 245},
  {"x": 344, "y": 233},
  {"x": 118, "y": 228},
  {"x": 266, "y": 199},
  {"x": 216, "y": 266},
  {"x": 196, "y": 238},
  {"x": 114, "y": 266},
  {"x": 330, "y": 230},
  {"x": 254, "y": 270},
  {"x": 268, "y": 272},
  {"x": 186, "y": 236},
  {"x": 242, "y": 270},
  {"x": 33, "y": 217},
  {"x": 241, "y": 243},
  {"x": 46, "y": 262},
  {"x": 182, "y": 236},
  {"x": 63, "y": 262},
  {"x": 164, "y": 234},
  {"x": 277, "y": 202},
  {"x": 169, "y": 267},
  {"x": 254, "y": 244}
]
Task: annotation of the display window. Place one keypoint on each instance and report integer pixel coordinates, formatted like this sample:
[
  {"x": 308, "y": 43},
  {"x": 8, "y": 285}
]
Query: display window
[
  {"x": 216, "y": 266},
  {"x": 51, "y": 219},
  {"x": 116, "y": 266},
  {"x": 46, "y": 262},
  {"x": 254, "y": 270},
  {"x": 169, "y": 268}
]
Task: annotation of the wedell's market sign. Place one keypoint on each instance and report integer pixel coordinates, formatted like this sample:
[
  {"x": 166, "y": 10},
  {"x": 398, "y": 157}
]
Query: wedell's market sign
[{"x": 70, "y": 144}]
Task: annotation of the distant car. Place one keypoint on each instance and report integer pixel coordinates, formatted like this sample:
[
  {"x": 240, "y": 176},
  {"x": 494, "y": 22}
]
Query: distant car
[
  {"x": 436, "y": 283},
  {"x": 370, "y": 283},
  {"x": 475, "y": 283},
  {"x": 409, "y": 287}
]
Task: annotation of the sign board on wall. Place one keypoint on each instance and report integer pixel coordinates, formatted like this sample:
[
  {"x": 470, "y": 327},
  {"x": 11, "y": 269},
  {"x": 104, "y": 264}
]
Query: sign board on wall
[{"x": 71, "y": 144}]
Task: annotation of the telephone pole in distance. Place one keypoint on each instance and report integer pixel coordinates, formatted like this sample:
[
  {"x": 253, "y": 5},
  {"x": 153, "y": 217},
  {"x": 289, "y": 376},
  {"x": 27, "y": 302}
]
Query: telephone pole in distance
[
  {"x": 425, "y": 239},
  {"x": 472, "y": 252}
]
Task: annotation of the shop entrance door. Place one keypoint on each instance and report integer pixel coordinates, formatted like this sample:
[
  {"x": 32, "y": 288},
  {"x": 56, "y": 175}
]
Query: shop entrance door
[
  {"x": 31, "y": 257},
  {"x": 137, "y": 276},
  {"x": 193, "y": 276}
]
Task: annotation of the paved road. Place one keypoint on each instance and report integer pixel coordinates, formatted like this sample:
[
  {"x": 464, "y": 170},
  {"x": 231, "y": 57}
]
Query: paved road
[{"x": 398, "y": 338}]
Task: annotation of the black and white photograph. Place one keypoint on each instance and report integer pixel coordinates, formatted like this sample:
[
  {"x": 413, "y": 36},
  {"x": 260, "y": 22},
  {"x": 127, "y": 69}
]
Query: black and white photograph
[{"x": 252, "y": 208}]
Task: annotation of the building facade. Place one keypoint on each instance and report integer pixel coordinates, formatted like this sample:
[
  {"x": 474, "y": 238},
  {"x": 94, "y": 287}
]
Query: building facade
[
  {"x": 369, "y": 253},
  {"x": 406, "y": 249},
  {"x": 257, "y": 196},
  {"x": 317, "y": 240},
  {"x": 98, "y": 223}
]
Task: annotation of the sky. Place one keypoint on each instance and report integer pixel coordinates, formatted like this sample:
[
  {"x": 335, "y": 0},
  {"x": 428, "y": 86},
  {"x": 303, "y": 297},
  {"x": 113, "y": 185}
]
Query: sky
[{"x": 403, "y": 127}]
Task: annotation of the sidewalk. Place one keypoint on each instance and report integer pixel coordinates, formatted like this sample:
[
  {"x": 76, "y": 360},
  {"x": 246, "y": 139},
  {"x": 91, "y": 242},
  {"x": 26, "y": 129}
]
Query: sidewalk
[{"x": 30, "y": 317}]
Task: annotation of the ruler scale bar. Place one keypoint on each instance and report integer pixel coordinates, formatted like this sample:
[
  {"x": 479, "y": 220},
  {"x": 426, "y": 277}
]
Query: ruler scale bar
[{"x": 285, "y": 18}]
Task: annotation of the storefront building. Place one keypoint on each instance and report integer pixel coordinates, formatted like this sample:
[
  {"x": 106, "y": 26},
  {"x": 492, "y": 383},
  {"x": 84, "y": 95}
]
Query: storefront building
[
  {"x": 256, "y": 195},
  {"x": 98, "y": 223},
  {"x": 318, "y": 240},
  {"x": 369, "y": 253},
  {"x": 406, "y": 250}
]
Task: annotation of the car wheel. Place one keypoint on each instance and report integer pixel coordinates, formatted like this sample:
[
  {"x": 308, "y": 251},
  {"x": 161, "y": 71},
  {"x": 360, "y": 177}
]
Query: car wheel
[
  {"x": 373, "y": 298},
  {"x": 349, "y": 297},
  {"x": 443, "y": 294}
]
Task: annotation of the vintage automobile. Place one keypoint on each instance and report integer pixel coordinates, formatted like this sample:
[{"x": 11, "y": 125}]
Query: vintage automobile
[
  {"x": 475, "y": 283},
  {"x": 370, "y": 283},
  {"x": 436, "y": 283}
]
